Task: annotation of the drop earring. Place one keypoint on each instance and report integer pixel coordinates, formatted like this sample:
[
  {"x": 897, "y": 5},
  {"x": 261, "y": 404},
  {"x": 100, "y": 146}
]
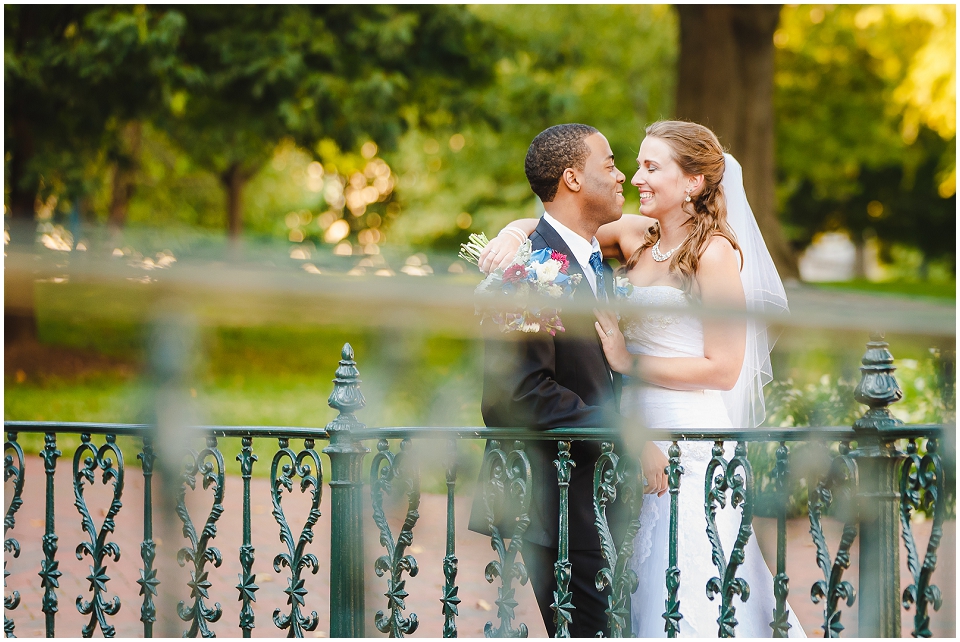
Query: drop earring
[{"x": 687, "y": 199}]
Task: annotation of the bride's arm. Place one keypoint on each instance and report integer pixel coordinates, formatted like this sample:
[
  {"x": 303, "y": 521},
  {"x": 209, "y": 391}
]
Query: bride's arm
[
  {"x": 617, "y": 240},
  {"x": 621, "y": 238},
  {"x": 724, "y": 340},
  {"x": 501, "y": 249}
]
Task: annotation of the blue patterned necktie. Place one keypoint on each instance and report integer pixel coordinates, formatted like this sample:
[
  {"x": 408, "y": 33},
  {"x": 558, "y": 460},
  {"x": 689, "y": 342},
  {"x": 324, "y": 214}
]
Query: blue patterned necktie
[{"x": 596, "y": 262}]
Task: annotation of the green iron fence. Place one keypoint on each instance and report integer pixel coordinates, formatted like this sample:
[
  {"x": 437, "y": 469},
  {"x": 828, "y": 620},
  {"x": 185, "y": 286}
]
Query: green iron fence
[{"x": 878, "y": 485}]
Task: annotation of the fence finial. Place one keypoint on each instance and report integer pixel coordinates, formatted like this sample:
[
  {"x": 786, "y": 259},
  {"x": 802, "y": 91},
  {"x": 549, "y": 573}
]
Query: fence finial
[
  {"x": 346, "y": 397},
  {"x": 878, "y": 387}
]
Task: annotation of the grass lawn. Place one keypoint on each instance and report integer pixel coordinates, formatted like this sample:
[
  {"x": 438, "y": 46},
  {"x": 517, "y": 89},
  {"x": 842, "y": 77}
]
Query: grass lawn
[
  {"x": 86, "y": 368},
  {"x": 925, "y": 289},
  {"x": 90, "y": 365}
]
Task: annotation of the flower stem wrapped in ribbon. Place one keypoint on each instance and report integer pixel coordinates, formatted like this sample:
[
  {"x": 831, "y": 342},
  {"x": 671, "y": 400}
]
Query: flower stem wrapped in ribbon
[{"x": 520, "y": 298}]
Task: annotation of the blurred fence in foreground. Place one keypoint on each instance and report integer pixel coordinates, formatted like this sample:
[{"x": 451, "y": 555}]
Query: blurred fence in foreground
[{"x": 874, "y": 474}]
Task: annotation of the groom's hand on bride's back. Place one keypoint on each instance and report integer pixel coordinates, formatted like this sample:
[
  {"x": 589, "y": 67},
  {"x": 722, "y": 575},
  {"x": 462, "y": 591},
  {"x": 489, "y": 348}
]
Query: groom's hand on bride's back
[{"x": 654, "y": 469}]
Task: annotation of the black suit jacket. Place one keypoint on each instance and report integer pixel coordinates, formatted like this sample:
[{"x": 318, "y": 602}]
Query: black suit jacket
[{"x": 542, "y": 382}]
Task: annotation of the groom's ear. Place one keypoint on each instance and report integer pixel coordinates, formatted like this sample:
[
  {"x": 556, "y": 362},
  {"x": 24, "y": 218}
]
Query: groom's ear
[{"x": 570, "y": 179}]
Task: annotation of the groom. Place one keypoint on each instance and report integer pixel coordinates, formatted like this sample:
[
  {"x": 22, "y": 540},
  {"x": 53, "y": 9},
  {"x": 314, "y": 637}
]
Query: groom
[{"x": 541, "y": 382}]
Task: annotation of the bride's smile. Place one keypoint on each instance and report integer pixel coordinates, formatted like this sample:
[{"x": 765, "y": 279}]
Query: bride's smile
[{"x": 662, "y": 184}]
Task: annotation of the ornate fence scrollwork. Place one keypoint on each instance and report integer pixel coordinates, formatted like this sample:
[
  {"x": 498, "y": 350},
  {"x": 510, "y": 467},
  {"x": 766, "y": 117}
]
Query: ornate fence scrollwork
[
  {"x": 12, "y": 469},
  {"x": 148, "y": 549},
  {"x": 842, "y": 478},
  {"x": 451, "y": 599},
  {"x": 98, "y": 548},
  {"x": 727, "y": 584},
  {"x": 402, "y": 467},
  {"x": 611, "y": 475},
  {"x": 563, "y": 596},
  {"x": 248, "y": 580},
  {"x": 672, "y": 615},
  {"x": 295, "y": 559},
  {"x": 781, "y": 583},
  {"x": 922, "y": 475},
  {"x": 199, "y": 552},
  {"x": 506, "y": 491},
  {"x": 50, "y": 567}
]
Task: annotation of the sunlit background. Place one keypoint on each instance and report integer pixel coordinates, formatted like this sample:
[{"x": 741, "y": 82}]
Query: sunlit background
[
  {"x": 347, "y": 141},
  {"x": 285, "y": 179}
]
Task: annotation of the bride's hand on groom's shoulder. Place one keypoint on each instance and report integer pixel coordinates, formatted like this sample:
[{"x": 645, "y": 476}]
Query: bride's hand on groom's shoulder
[
  {"x": 654, "y": 469},
  {"x": 499, "y": 252}
]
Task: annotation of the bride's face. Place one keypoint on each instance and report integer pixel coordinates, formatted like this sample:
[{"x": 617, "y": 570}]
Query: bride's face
[{"x": 661, "y": 182}]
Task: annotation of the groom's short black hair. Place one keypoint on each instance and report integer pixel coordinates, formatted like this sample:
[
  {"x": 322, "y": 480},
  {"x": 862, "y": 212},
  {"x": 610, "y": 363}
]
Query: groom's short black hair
[{"x": 552, "y": 151}]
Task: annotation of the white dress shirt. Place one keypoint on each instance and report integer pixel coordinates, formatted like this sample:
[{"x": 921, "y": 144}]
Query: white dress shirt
[{"x": 581, "y": 248}]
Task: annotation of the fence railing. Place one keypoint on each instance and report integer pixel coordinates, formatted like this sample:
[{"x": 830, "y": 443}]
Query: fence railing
[{"x": 871, "y": 484}]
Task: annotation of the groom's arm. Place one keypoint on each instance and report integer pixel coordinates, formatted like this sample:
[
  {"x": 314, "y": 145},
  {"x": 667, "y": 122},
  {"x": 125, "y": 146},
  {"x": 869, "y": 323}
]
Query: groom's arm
[{"x": 520, "y": 388}]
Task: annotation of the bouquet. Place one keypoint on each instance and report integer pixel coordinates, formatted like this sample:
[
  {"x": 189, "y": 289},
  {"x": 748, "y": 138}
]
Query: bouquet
[{"x": 519, "y": 298}]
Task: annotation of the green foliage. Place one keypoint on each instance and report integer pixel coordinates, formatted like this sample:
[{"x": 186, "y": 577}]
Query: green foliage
[
  {"x": 60, "y": 62},
  {"x": 936, "y": 290},
  {"x": 830, "y": 402},
  {"x": 321, "y": 71},
  {"x": 866, "y": 140},
  {"x": 607, "y": 66}
]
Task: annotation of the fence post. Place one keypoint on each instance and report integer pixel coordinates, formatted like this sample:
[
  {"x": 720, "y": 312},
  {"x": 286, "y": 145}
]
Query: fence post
[
  {"x": 879, "y": 464},
  {"x": 346, "y": 513}
]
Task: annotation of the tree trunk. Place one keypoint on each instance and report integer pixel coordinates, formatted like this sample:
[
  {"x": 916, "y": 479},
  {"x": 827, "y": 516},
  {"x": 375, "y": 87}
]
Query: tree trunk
[
  {"x": 124, "y": 175},
  {"x": 726, "y": 83},
  {"x": 19, "y": 309},
  {"x": 234, "y": 180},
  {"x": 19, "y": 312}
]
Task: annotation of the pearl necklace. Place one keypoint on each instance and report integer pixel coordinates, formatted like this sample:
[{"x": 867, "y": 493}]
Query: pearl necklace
[{"x": 659, "y": 256}]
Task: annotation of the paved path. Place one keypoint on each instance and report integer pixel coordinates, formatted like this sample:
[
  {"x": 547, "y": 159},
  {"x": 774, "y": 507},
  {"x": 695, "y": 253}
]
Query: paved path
[{"x": 429, "y": 540}]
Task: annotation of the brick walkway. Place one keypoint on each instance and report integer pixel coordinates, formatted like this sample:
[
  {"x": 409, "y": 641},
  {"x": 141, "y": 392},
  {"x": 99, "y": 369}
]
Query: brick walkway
[{"x": 429, "y": 541}]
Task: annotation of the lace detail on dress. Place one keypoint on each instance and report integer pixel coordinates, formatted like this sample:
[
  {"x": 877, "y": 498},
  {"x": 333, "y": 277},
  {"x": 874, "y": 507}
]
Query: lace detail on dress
[
  {"x": 654, "y": 296},
  {"x": 690, "y": 451},
  {"x": 665, "y": 332},
  {"x": 643, "y": 545}
]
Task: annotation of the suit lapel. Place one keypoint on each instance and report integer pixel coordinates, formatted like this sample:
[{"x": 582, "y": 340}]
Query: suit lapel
[
  {"x": 550, "y": 238},
  {"x": 608, "y": 282},
  {"x": 555, "y": 242}
]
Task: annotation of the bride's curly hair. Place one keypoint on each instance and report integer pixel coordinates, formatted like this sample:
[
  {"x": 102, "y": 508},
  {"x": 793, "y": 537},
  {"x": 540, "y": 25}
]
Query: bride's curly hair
[{"x": 697, "y": 151}]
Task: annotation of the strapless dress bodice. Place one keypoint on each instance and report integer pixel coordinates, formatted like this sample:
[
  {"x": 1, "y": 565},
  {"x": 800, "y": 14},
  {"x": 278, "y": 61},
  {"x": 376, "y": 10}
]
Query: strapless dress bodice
[
  {"x": 659, "y": 322},
  {"x": 656, "y": 324}
]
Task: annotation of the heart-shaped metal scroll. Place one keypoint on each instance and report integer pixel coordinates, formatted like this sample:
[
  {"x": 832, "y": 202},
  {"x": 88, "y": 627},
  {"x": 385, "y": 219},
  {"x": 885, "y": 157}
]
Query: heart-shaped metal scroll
[
  {"x": 726, "y": 583},
  {"x": 199, "y": 552},
  {"x": 506, "y": 490},
  {"x": 842, "y": 479},
  {"x": 388, "y": 468},
  {"x": 295, "y": 559},
  {"x": 12, "y": 469},
  {"x": 98, "y": 548},
  {"x": 922, "y": 486},
  {"x": 614, "y": 474}
]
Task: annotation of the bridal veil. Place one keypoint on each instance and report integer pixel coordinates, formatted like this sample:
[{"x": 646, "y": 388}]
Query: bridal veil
[{"x": 765, "y": 299}]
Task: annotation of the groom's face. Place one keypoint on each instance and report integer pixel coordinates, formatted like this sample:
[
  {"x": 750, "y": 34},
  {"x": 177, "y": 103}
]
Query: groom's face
[{"x": 601, "y": 192}]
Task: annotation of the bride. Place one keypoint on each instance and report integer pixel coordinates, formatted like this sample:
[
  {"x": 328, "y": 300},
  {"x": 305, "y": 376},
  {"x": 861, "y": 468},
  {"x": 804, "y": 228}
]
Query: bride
[{"x": 696, "y": 243}]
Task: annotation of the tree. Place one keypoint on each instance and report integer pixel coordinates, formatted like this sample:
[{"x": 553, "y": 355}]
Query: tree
[
  {"x": 317, "y": 72},
  {"x": 866, "y": 131},
  {"x": 555, "y": 66},
  {"x": 725, "y": 81},
  {"x": 72, "y": 76}
]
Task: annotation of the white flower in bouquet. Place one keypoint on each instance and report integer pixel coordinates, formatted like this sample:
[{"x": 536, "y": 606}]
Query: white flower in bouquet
[
  {"x": 554, "y": 291},
  {"x": 547, "y": 271}
]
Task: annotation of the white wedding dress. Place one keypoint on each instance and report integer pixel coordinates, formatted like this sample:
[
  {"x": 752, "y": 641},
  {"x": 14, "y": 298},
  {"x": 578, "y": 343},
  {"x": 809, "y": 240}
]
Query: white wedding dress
[{"x": 665, "y": 333}]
